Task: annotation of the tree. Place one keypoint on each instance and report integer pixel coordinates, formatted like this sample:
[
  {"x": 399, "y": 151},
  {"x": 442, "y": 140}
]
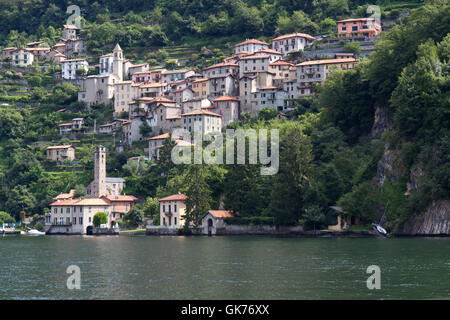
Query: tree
[
  {"x": 314, "y": 215},
  {"x": 165, "y": 156},
  {"x": 6, "y": 218},
  {"x": 198, "y": 194},
  {"x": 267, "y": 114},
  {"x": 133, "y": 218},
  {"x": 151, "y": 207},
  {"x": 100, "y": 218},
  {"x": 297, "y": 22},
  {"x": 292, "y": 179},
  {"x": 20, "y": 200},
  {"x": 352, "y": 47}
]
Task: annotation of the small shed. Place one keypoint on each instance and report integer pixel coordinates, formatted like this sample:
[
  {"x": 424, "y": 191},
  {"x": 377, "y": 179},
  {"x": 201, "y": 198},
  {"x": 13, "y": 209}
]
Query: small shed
[
  {"x": 214, "y": 221},
  {"x": 342, "y": 220}
]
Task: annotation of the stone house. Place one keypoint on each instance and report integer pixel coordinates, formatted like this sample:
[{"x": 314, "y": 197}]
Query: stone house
[{"x": 60, "y": 153}]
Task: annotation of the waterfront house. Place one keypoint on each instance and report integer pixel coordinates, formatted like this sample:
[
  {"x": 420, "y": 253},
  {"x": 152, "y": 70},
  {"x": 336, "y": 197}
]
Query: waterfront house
[
  {"x": 213, "y": 221},
  {"x": 172, "y": 210}
]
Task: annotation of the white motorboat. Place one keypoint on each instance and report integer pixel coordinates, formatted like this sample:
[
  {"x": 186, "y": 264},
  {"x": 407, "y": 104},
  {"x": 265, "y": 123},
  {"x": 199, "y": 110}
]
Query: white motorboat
[{"x": 34, "y": 232}]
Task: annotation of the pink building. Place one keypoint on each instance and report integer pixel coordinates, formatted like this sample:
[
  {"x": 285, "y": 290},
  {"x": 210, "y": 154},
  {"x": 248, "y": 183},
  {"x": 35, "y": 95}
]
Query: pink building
[{"x": 362, "y": 27}]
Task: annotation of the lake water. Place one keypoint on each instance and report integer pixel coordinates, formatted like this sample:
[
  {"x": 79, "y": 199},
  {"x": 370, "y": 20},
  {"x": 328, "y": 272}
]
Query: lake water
[{"x": 145, "y": 267}]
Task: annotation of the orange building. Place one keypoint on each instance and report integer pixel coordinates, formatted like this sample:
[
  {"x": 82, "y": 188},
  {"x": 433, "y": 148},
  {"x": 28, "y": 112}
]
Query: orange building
[{"x": 362, "y": 27}]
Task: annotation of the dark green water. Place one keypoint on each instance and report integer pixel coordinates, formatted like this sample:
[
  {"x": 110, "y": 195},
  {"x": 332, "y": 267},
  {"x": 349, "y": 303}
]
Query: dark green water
[{"x": 223, "y": 267}]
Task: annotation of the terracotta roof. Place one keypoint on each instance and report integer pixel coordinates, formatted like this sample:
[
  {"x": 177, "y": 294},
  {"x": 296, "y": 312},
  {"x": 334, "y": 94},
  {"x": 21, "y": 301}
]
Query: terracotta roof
[
  {"x": 174, "y": 197},
  {"x": 60, "y": 45},
  {"x": 326, "y": 61},
  {"x": 226, "y": 98},
  {"x": 208, "y": 107},
  {"x": 64, "y": 202},
  {"x": 241, "y": 52},
  {"x": 281, "y": 63},
  {"x": 153, "y": 85},
  {"x": 106, "y": 55},
  {"x": 255, "y": 57},
  {"x": 201, "y": 112},
  {"x": 162, "y": 99},
  {"x": 120, "y": 197},
  {"x": 200, "y": 80},
  {"x": 70, "y": 26},
  {"x": 223, "y": 64},
  {"x": 293, "y": 35},
  {"x": 143, "y": 72},
  {"x": 357, "y": 19},
  {"x": 37, "y": 49},
  {"x": 65, "y": 124},
  {"x": 60, "y": 147},
  {"x": 173, "y": 118},
  {"x": 268, "y": 88},
  {"x": 73, "y": 60},
  {"x": 162, "y": 136},
  {"x": 139, "y": 65},
  {"x": 71, "y": 194},
  {"x": 221, "y": 213},
  {"x": 271, "y": 51},
  {"x": 251, "y": 41},
  {"x": 92, "y": 202}
]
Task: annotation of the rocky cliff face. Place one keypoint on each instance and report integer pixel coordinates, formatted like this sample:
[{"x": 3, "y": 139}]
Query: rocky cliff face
[
  {"x": 382, "y": 121},
  {"x": 435, "y": 220}
]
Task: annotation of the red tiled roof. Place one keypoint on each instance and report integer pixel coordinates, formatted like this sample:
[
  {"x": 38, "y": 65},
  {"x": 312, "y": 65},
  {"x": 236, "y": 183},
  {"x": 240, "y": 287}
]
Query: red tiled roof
[
  {"x": 221, "y": 213},
  {"x": 64, "y": 202},
  {"x": 113, "y": 198},
  {"x": 174, "y": 197},
  {"x": 255, "y": 57},
  {"x": 201, "y": 112},
  {"x": 60, "y": 147},
  {"x": 327, "y": 61},
  {"x": 162, "y": 136},
  {"x": 226, "y": 98},
  {"x": 357, "y": 19},
  {"x": 281, "y": 63},
  {"x": 293, "y": 35},
  {"x": 251, "y": 41},
  {"x": 223, "y": 64}
]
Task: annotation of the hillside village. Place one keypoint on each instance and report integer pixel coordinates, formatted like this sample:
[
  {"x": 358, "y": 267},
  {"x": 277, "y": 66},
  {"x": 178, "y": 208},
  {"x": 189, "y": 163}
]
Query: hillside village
[
  {"x": 256, "y": 76},
  {"x": 133, "y": 108}
]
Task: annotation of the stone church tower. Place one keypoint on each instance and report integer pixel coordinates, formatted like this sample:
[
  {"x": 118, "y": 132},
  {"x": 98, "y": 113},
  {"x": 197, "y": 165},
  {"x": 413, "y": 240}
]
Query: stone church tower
[
  {"x": 118, "y": 62},
  {"x": 98, "y": 187}
]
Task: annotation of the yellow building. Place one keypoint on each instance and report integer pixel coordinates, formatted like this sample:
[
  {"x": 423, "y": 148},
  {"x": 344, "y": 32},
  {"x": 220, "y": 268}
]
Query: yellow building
[{"x": 172, "y": 210}]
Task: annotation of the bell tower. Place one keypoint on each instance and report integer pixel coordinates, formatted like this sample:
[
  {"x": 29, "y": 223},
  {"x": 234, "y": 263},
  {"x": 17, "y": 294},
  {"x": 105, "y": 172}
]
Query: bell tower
[
  {"x": 118, "y": 62},
  {"x": 99, "y": 183}
]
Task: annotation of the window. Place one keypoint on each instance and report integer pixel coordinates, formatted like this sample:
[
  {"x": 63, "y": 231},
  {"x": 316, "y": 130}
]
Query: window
[
  {"x": 175, "y": 208},
  {"x": 90, "y": 218},
  {"x": 81, "y": 220},
  {"x": 164, "y": 208},
  {"x": 175, "y": 220}
]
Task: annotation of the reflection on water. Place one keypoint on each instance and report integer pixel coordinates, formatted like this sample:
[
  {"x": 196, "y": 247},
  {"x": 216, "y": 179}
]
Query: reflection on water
[{"x": 223, "y": 267}]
